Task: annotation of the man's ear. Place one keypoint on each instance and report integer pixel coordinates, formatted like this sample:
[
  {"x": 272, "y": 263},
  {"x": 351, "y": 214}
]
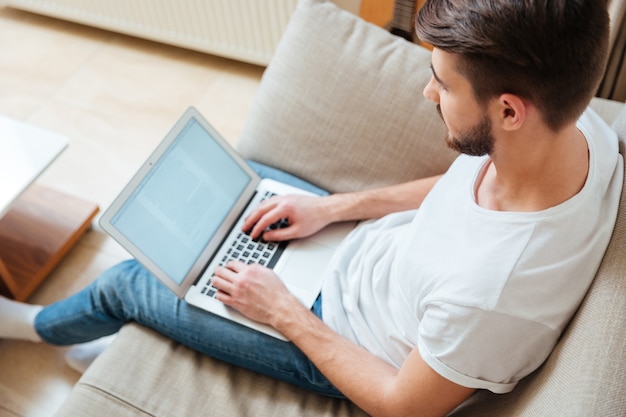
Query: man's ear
[{"x": 511, "y": 111}]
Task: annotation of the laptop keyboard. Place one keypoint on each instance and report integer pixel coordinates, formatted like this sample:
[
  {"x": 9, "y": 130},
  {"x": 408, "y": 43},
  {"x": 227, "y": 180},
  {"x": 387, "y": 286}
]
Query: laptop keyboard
[{"x": 245, "y": 249}]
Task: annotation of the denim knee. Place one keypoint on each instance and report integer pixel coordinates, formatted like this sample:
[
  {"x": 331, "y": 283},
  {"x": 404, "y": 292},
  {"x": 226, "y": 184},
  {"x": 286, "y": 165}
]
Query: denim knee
[{"x": 116, "y": 284}]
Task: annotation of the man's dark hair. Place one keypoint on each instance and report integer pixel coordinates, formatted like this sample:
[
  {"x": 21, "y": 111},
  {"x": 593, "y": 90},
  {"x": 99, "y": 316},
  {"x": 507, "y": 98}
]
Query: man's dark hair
[{"x": 550, "y": 52}]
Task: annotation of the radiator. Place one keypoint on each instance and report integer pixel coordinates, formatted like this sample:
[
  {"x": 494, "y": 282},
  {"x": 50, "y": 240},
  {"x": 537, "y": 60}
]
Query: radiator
[{"x": 246, "y": 30}]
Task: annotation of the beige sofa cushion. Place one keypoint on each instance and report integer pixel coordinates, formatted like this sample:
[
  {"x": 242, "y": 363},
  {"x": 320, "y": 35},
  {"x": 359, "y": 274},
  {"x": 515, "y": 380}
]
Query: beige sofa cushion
[{"x": 341, "y": 105}]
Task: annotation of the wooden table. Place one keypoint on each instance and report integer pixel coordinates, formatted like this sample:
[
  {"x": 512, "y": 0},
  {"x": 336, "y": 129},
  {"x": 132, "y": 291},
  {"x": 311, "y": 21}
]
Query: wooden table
[{"x": 38, "y": 225}]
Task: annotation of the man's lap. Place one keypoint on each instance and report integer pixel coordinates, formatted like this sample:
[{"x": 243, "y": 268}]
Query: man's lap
[
  {"x": 128, "y": 292},
  {"x": 225, "y": 340}
]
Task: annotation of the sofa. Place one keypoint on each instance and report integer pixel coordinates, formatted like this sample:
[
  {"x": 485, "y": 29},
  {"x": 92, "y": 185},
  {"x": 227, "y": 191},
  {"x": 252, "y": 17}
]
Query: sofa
[{"x": 341, "y": 105}]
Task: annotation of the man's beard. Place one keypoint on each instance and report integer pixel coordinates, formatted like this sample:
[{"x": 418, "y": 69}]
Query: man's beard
[{"x": 476, "y": 141}]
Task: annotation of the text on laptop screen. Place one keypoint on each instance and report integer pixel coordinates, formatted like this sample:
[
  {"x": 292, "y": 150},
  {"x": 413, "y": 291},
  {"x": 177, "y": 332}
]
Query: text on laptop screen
[{"x": 179, "y": 206}]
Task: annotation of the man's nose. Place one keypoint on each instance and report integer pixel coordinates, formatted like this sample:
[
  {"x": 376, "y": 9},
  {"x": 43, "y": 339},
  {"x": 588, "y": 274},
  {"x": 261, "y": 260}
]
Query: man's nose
[{"x": 430, "y": 92}]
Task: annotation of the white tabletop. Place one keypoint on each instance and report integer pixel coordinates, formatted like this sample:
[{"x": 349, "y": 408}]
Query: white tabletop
[{"x": 25, "y": 151}]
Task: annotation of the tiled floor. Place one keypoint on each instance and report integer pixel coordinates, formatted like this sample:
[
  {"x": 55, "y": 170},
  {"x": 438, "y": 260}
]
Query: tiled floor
[{"x": 115, "y": 97}]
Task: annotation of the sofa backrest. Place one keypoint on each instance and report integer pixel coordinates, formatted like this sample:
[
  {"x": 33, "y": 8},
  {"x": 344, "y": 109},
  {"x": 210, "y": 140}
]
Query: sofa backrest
[{"x": 341, "y": 105}]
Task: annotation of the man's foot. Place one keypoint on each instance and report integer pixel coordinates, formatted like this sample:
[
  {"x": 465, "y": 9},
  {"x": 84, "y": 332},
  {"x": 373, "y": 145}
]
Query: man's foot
[
  {"x": 79, "y": 357},
  {"x": 17, "y": 320}
]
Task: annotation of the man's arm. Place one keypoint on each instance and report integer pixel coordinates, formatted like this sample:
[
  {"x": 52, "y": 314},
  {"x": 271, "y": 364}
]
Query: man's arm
[
  {"x": 379, "y": 202},
  {"x": 372, "y": 384},
  {"x": 308, "y": 215}
]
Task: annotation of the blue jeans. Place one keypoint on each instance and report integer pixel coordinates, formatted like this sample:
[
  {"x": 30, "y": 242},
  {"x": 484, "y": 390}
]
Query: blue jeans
[{"x": 129, "y": 293}]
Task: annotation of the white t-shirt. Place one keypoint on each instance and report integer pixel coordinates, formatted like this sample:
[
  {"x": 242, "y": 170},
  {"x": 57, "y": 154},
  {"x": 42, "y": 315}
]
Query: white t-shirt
[{"x": 483, "y": 295}]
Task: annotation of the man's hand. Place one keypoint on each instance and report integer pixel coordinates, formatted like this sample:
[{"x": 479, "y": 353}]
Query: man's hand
[
  {"x": 305, "y": 216},
  {"x": 252, "y": 289}
]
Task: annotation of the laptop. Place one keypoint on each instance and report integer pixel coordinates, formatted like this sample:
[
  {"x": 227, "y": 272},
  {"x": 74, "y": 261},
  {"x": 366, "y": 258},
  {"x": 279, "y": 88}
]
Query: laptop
[{"x": 181, "y": 216}]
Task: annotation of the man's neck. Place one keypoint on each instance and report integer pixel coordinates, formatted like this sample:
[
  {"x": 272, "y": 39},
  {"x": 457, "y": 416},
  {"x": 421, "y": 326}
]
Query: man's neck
[{"x": 533, "y": 171}]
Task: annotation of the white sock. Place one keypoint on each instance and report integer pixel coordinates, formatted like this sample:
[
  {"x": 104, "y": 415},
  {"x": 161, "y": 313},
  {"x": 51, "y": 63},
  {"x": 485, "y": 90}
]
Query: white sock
[
  {"x": 17, "y": 320},
  {"x": 79, "y": 357}
]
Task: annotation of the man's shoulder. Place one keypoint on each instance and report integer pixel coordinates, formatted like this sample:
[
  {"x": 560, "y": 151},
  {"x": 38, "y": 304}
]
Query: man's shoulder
[{"x": 597, "y": 132}]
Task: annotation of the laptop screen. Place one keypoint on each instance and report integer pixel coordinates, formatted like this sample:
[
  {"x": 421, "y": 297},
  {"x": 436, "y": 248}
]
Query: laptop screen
[{"x": 176, "y": 209}]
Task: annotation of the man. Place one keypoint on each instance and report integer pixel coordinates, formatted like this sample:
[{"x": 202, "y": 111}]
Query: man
[{"x": 466, "y": 280}]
